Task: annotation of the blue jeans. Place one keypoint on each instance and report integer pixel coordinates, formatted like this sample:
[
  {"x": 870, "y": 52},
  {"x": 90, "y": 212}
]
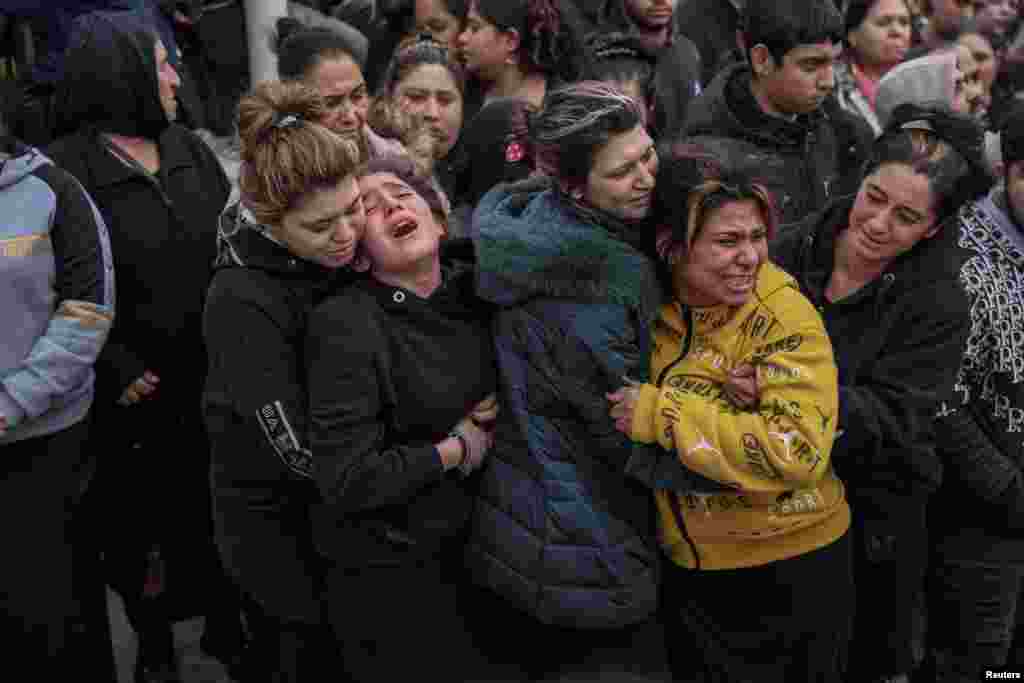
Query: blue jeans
[{"x": 971, "y": 616}]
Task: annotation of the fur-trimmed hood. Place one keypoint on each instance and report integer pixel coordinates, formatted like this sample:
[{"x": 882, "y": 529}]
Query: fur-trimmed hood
[{"x": 530, "y": 244}]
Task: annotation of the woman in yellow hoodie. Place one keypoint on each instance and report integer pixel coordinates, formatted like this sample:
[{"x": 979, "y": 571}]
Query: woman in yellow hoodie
[{"x": 758, "y": 585}]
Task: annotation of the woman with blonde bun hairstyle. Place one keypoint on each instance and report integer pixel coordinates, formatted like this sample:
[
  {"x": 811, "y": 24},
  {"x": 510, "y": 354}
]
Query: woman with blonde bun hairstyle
[{"x": 282, "y": 248}]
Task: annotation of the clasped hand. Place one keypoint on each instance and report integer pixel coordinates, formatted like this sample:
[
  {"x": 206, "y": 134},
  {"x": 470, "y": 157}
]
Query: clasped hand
[{"x": 741, "y": 389}]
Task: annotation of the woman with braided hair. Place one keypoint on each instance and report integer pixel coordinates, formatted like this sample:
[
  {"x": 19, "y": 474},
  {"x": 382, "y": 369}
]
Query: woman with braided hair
[{"x": 518, "y": 48}]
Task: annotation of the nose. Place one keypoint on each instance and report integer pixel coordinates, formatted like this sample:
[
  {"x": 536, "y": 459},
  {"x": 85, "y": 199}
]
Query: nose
[
  {"x": 432, "y": 109},
  {"x": 645, "y": 177},
  {"x": 747, "y": 253},
  {"x": 345, "y": 231},
  {"x": 827, "y": 78},
  {"x": 460, "y": 39}
]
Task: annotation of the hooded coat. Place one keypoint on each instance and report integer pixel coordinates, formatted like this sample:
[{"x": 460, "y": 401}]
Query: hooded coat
[
  {"x": 803, "y": 162},
  {"x": 559, "y": 529},
  {"x": 58, "y": 285},
  {"x": 255, "y": 407}
]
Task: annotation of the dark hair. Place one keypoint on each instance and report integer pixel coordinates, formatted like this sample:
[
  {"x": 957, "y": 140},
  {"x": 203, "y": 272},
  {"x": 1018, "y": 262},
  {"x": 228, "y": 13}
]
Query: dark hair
[
  {"x": 573, "y": 124},
  {"x": 944, "y": 147},
  {"x": 618, "y": 57},
  {"x": 547, "y": 43},
  {"x": 1011, "y": 134},
  {"x": 405, "y": 169},
  {"x": 301, "y": 48},
  {"x": 857, "y": 11},
  {"x": 416, "y": 53},
  {"x": 692, "y": 182},
  {"x": 494, "y": 148},
  {"x": 781, "y": 25}
]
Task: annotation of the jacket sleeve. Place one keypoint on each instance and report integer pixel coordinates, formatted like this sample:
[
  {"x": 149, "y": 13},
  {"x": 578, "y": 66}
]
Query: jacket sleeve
[
  {"x": 265, "y": 382},
  {"x": 780, "y": 445},
  {"x": 357, "y": 465},
  {"x": 63, "y": 357},
  {"x": 896, "y": 404}
]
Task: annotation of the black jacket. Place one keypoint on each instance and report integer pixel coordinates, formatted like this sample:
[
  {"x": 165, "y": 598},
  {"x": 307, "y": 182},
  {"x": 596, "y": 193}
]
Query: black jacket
[
  {"x": 980, "y": 509},
  {"x": 163, "y": 236},
  {"x": 389, "y": 375},
  {"x": 255, "y": 407},
  {"x": 162, "y": 227},
  {"x": 803, "y": 163},
  {"x": 677, "y": 73},
  {"x": 897, "y": 343},
  {"x": 712, "y": 26}
]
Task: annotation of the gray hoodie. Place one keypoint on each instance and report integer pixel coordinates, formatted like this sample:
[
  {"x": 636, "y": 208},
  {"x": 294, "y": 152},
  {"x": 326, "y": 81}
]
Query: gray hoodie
[{"x": 57, "y": 291}]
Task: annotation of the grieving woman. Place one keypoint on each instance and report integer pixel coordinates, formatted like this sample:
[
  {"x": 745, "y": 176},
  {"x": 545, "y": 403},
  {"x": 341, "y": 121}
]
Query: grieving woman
[
  {"x": 282, "y": 249},
  {"x": 401, "y": 379},
  {"x": 744, "y": 394},
  {"x": 882, "y": 267},
  {"x": 562, "y": 540}
]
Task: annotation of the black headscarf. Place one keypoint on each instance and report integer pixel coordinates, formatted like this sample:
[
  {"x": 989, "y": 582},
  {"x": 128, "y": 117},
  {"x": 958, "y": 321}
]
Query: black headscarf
[
  {"x": 110, "y": 78},
  {"x": 963, "y": 134}
]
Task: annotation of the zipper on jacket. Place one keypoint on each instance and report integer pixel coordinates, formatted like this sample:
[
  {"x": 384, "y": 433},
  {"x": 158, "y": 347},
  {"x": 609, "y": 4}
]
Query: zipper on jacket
[{"x": 674, "y": 503}]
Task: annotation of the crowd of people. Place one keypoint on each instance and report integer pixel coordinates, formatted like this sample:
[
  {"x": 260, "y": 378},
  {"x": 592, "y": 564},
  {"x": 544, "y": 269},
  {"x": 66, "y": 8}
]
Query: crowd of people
[{"x": 528, "y": 340}]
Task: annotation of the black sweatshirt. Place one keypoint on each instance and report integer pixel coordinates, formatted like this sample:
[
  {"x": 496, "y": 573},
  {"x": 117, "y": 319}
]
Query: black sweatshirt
[{"x": 389, "y": 375}]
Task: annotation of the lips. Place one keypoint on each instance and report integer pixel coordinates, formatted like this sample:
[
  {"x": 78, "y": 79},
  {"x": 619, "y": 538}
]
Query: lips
[
  {"x": 740, "y": 283},
  {"x": 404, "y": 228}
]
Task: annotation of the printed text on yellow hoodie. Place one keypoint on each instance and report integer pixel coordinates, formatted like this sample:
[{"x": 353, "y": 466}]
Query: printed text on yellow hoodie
[{"x": 786, "y": 500}]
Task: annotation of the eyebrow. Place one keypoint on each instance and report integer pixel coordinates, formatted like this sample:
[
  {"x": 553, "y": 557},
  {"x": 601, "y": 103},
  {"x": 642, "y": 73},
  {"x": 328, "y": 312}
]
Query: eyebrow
[
  {"x": 321, "y": 219},
  {"x": 633, "y": 162},
  {"x": 917, "y": 214}
]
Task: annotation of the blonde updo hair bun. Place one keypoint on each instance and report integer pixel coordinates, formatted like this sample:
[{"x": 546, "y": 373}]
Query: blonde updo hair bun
[{"x": 285, "y": 152}]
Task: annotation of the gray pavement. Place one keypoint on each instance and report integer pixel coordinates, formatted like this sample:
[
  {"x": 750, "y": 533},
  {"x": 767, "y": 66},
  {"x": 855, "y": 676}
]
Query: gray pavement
[{"x": 195, "y": 667}]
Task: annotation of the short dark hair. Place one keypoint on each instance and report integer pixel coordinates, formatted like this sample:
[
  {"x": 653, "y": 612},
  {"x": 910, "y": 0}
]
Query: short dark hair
[
  {"x": 781, "y": 25},
  {"x": 857, "y": 11},
  {"x": 301, "y": 48},
  {"x": 575, "y": 121}
]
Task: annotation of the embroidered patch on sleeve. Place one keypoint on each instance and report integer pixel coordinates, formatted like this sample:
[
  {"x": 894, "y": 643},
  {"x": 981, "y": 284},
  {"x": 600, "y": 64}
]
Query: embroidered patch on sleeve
[{"x": 282, "y": 438}]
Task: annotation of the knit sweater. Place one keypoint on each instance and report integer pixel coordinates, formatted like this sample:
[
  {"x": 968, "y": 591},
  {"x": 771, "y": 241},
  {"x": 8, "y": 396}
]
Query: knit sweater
[{"x": 981, "y": 430}]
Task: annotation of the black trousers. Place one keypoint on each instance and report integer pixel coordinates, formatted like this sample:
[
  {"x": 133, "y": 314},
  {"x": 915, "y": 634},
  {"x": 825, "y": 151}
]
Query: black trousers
[
  {"x": 52, "y": 602},
  {"x": 785, "y": 621},
  {"x": 520, "y": 648}
]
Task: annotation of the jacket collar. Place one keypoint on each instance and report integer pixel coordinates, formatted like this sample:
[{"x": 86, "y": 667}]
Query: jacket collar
[
  {"x": 937, "y": 258},
  {"x": 729, "y": 102},
  {"x": 529, "y": 244},
  {"x": 107, "y": 169}
]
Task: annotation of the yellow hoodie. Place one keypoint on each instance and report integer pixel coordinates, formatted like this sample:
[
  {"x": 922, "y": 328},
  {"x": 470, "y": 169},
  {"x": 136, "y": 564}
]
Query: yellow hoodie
[{"x": 787, "y": 500}]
